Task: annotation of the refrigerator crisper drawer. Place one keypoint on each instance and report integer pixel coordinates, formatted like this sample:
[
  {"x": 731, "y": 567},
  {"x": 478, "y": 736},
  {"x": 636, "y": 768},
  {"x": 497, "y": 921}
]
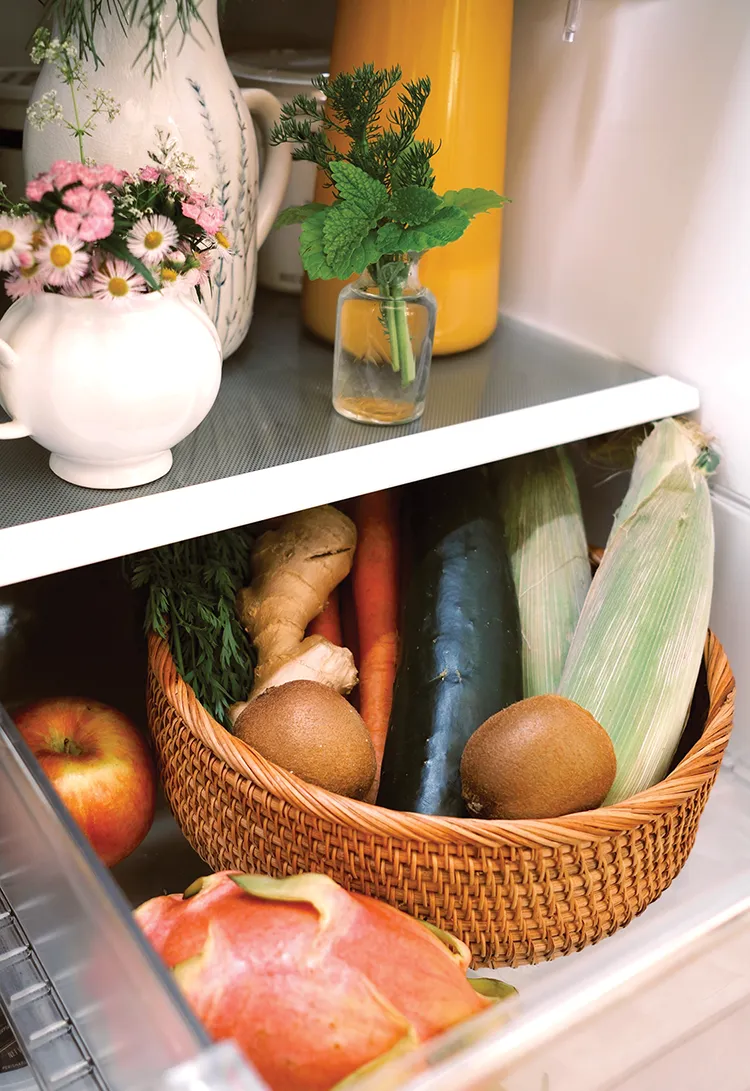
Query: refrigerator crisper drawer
[
  {"x": 669, "y": 1012},
  {"x": 88, "y": 1001},
  {"x": 92, "y": 1007}
]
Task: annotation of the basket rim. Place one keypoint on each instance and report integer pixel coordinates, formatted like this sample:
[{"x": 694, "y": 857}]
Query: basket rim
[{"x": 699, "y": 765}]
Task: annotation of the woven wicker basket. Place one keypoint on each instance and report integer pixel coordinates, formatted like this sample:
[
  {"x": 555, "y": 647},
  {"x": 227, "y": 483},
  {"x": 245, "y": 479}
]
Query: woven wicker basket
[{"x": 515, "y": 892}]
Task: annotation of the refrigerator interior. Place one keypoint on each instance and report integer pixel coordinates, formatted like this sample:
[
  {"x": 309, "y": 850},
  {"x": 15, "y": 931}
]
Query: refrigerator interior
[
  {"x": 628, "y": 234},
  {"x": 628, "y": 159},
  {"x": 666, "y": 1012}
]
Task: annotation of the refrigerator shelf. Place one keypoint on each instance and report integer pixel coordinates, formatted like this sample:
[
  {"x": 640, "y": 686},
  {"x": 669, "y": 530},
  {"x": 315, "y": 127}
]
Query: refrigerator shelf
[{"x": 272, "y": 443}]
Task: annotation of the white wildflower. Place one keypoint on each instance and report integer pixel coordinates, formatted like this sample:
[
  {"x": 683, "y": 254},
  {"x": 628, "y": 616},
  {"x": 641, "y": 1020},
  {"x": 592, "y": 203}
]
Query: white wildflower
[
  {"x": 44, "y": 111},
  {"x": 182, "y": 164},
  {"x": 63, "y": 55},
  {"x": 104, "y": 102}
]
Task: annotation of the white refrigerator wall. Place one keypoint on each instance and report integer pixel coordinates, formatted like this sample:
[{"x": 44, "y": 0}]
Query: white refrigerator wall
[{"x": 629, "y": 170}]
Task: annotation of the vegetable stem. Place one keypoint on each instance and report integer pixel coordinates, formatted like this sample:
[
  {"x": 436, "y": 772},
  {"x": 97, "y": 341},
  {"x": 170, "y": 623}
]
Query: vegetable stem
[
  {"x": 390, "y": 275},
  {"x": 389, "y": 314},
  {"x": 403, "y": 340}
]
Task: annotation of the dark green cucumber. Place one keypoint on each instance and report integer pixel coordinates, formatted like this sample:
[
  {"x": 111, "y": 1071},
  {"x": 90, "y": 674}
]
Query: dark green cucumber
[{"x": 460, "y": 655}]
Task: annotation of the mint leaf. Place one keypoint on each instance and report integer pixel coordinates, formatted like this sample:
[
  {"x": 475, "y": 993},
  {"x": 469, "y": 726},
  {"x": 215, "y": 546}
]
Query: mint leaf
[
  {"x": 371, "y": 250},
  {"x": 389, "y": 239},
  {"x": 360, "y": 192},
  {"x": 414, "y": 205},
  {"x": 349, "y": 242},
  {"x": 474, "y": 201},
  {"x": 447, "y": 225},
  {"x": 311, "y": 248},
  {"x": 297, "y": 214}
]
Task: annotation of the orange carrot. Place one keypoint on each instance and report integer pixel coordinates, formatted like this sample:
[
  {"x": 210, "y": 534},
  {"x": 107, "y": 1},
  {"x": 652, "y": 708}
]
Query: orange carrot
[
  {"x": 375, "y": 585},
  {"x": 328, "y": 622}
]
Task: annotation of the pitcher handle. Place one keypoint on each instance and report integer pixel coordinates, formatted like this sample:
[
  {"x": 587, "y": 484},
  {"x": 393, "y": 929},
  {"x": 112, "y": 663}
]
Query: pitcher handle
[
  {"x": 12, "y": 429},
  {"x": 267, "y": 109}
]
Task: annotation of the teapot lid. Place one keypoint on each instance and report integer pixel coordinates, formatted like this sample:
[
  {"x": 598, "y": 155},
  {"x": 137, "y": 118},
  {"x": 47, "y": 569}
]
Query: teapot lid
[{"x": 293, "y": 67}]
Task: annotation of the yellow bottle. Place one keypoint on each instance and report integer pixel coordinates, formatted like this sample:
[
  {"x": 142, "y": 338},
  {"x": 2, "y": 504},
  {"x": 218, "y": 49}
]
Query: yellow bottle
[{"x": 464, "y": 47}]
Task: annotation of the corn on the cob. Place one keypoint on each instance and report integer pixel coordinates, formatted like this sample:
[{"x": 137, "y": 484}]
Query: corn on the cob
[
  {"x": 548, "y": 555},
  {"x": 637, "y": 648}
]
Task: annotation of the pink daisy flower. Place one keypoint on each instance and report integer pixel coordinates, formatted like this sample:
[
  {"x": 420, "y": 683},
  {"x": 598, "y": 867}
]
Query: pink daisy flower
[
  {"x": 206, "y": 260},
  {"x": 62, "y": 259},
  {"x": 25, "y": 282},
  {"x": 116, "y": 281},
  {"x": 152, "y": 238},
  {"x": 173, "y": 283},
  {"x": 81, "y": 290},
  {"x": 169, "y": 280},
  {"x": 16, "y": 238}
]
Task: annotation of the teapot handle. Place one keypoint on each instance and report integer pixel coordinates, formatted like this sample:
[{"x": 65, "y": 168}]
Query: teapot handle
[
  {"x": 267, "y": 109},
  {"x": 12, "y": 429}
]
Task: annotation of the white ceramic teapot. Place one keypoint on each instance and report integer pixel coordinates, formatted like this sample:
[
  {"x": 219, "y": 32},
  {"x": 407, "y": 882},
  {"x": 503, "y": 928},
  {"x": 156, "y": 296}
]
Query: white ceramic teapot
[
  {"x": 194, "y": 101},
  {"x": 107, "y": 388}
]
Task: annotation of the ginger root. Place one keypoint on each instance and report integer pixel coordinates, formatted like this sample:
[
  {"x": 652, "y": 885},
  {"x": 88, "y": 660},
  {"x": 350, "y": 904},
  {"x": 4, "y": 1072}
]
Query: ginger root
[{"x": 295, "y": 568}]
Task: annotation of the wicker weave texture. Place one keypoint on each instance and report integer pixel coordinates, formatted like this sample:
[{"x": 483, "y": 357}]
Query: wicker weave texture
[{"x": 515, "y": 892}]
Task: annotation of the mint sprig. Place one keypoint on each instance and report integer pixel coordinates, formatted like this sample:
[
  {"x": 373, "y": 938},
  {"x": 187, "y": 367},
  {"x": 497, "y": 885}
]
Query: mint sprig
[
  {"x": 366, "y": 223},
  {"x": 385, "y": 208}
]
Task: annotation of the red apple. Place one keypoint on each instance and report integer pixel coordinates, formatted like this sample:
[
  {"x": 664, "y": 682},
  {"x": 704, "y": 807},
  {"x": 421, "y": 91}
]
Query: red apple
[{"x": 100, "y": 766}]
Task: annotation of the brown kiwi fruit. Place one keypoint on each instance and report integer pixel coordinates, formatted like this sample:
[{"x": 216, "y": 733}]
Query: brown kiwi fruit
[
  {"x": 539, "y": 758},
  {"x": 312, "y": 731}
]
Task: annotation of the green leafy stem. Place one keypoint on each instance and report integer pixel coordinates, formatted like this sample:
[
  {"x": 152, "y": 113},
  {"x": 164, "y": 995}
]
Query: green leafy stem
[
  {"x": 367, "y": 227},
  {"x": 385, "y": 209},
  {"x": 192, "y": 588}
]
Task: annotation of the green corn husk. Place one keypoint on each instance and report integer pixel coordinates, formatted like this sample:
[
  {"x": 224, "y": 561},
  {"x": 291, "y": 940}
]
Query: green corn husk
[
  {"x": 549, "y": 558},
  {"x": 637, "y": 649}
]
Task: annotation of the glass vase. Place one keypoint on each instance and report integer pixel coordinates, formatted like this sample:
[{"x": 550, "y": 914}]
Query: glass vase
[{"x": 385, "y": 326}]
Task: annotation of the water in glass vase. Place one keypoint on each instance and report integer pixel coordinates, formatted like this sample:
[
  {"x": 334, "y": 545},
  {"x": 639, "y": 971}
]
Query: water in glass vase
[{"x": 384, "y": 332}]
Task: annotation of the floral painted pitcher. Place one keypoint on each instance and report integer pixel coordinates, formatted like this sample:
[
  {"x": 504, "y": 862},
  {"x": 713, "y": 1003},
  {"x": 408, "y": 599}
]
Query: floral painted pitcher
[{"x": 195, "y": 102}]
